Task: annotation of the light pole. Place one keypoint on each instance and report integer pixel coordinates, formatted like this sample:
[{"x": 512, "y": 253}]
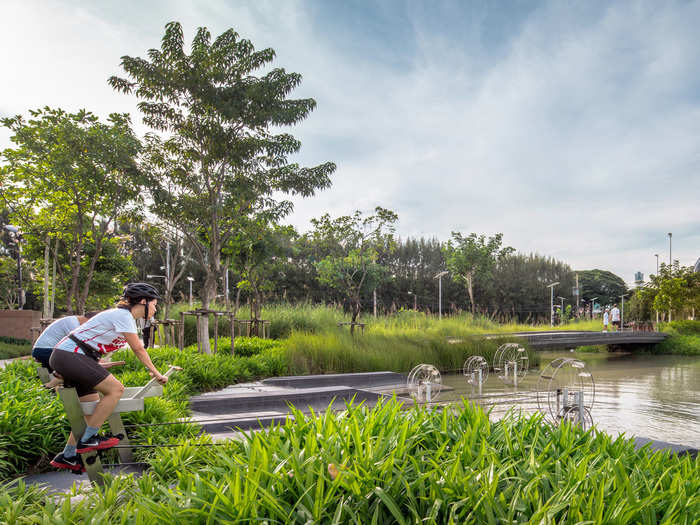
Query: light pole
[
  {"x": 670, "y": 257},
  {"x": 439, "y": 278},
  {"x": 17, "y": 237},
  {"x": 190, "y": 279},
  {"x": 657, "y": 276},
  {"x": 415, "y": 301},
  {"x": 622, "y": 313},
  {"x": 551, "y": 302}
]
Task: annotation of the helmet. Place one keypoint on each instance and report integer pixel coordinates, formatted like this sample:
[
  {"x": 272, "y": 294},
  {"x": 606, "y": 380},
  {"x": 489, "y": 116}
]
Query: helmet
[{"x": 141, "y": 291}]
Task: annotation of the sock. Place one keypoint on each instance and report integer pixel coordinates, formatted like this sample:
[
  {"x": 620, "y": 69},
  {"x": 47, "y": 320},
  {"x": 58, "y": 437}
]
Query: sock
[
  {"x": 89, "y": 432},
  {"x": 69, "y": 451}
]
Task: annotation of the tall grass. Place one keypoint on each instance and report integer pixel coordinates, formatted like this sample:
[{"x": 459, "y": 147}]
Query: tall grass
[
  {"x": 386, "y": 465},
  {"x": 380, "y": 349}
]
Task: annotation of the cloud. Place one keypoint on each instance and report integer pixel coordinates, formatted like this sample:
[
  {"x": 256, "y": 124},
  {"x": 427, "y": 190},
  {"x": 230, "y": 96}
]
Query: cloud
[{"x": 571, "y": 128}]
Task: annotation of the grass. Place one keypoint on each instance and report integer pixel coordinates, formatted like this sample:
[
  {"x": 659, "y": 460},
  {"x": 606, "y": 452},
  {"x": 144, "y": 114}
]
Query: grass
[
  {"x": 11, "y": 347},
  {"x": 387, "y": 465}
]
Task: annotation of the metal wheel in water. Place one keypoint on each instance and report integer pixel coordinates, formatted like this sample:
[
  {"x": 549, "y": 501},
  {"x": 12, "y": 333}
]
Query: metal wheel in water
[
  {"x": 566, "y": 391},
  {"x": 510, "y": 360},
  {"x": 577, "y": 416},
  {"x": 424, "y": 383},
  {"x": 476, "y": 368}
]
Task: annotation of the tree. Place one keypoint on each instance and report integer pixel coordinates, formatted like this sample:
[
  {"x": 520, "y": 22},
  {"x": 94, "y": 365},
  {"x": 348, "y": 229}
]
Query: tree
[
  {"x": 70, "y": 177},
  {"x": 473, "y": 256},
  {"x": 216, "y": 164},
  {"x": 604, "y": 285},
  {"x": 354, "y": 244}
]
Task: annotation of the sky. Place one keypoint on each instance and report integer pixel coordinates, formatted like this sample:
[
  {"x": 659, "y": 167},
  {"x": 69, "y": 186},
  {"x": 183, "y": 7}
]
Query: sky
[{"x": 573, "y": 128}]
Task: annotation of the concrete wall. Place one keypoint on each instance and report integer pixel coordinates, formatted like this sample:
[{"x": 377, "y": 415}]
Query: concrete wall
[{"x": 17, "y": 323}]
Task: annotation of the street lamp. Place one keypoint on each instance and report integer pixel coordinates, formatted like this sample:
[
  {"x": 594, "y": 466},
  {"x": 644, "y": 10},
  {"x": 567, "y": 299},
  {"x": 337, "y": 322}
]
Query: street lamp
[
  {"x": 670, "y": 258},
  {"x": 190, "y": 279},
  {"x": 657, "y": 276},
  {"x": 551, "y": 302},
  {"x": 622, "y": 313},
  {"x": 562, "y": 302},
  {"x": 439, "y": 278},
  {"x": 17, "y": 238}
]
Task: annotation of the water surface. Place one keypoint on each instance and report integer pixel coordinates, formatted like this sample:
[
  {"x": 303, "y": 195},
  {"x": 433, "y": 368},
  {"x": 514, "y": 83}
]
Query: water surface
[{"x": 656, "y": 397}]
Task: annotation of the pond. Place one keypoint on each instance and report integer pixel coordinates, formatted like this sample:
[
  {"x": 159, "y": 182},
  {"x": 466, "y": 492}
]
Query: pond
[{"x": 656, "y": 397}]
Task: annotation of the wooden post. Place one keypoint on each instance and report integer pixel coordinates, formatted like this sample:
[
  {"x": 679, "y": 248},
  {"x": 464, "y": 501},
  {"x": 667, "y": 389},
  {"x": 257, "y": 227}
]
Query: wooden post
[
  {"x": 116, "y": 425},
  {"x": 216, "y": 332},
  {"x": 182, "y": 331},
  {"x": 76, "y": 418},
  {"x": 233, "y": 331}
]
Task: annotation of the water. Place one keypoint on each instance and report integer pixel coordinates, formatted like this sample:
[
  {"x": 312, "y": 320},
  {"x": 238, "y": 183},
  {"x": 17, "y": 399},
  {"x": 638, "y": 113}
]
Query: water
[{"x": 656, "y": 397}]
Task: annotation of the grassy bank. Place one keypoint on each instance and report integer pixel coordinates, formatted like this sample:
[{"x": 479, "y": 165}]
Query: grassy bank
[
  {"x": 683, "y": 338},
  {"x": 385, "y": 465}
]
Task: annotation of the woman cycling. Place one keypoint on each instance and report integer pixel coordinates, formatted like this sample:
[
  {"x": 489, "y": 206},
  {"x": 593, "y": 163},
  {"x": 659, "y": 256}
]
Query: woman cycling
[{"x": 76, "y": 357}]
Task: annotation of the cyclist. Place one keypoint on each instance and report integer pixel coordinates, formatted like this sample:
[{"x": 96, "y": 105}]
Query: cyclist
[{"x": 76, "y": 357}]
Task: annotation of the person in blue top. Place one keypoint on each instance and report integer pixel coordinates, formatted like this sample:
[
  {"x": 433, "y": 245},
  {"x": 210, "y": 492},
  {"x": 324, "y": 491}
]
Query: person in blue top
[
  {"x": 53, "y": 333},
  {"x": 76, "y": 358}
]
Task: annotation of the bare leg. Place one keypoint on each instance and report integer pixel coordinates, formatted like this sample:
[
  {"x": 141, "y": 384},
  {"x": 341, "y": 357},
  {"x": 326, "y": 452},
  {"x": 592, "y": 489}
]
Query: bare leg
[{"x": 111, "y": 390}]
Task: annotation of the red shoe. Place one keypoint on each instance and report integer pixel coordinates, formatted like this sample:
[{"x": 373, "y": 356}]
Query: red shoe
[
  {"x": 96, "y": 442},
  {"x": 75, "y": 463}
]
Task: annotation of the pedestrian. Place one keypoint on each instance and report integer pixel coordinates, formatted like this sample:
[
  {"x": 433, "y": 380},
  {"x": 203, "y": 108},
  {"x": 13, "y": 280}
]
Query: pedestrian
[
  {"x": 52, "y": 334},
  {"x": 606, "y": 319},
  {"x": 76, "y": 357},
  {"x": 615, "y": 317}
]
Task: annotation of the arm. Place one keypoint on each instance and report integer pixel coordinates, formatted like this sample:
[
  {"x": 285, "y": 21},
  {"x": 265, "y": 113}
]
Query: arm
[{"x": 137, "y": 347}]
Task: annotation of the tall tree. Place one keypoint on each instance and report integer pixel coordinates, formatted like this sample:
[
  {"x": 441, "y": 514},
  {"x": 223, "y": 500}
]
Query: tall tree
[
  {"x": 217, "y": 159},
  {"x": 604, "y": 285},
  {"x": 70, "y": 176},
  {"x": 355, "y": 244},
  {"x": 474, "y": 256}
]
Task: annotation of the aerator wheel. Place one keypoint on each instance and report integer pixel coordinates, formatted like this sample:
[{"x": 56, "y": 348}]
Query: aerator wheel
[
  {"x": 510, "y": 360},
  {"x": 424, "y": 383},
  {"x": 473, "y": 366},
  {"x": 559, "y": 388}
]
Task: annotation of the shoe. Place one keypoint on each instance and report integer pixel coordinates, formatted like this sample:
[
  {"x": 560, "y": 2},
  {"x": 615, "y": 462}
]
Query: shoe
[
  {"x": 96, "y": 442},
  {"x": 74, "y": 463}
]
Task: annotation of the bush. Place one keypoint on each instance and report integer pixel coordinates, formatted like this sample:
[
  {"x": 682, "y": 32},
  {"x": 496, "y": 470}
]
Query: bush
[
  {"x": 11, "y": 347},
  {"x": 387, "y": 465},
  {"x": 683, "y": 327}
]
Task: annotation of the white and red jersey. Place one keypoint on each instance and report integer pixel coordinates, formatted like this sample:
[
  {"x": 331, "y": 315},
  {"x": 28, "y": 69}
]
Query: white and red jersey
[{"x": 104, "y": 332}]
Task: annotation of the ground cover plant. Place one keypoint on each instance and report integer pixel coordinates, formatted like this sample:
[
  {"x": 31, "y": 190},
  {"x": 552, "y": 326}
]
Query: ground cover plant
[
  {"x": 389, "y": 465},
  {"x": 32, "y": 421}
]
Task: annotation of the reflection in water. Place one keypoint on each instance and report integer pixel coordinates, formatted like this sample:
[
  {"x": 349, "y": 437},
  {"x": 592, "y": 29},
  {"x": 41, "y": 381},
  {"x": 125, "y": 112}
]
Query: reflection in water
[{"x": 656, "y": 397}]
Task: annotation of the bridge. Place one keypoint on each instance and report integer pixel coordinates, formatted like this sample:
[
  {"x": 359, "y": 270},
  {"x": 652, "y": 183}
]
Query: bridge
[{"x": 572, "y": 339}]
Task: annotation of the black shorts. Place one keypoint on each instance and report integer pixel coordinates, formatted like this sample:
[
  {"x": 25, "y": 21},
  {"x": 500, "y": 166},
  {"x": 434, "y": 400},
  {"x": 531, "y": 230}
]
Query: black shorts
[
  {"x": 616, "y": 323},
  {"x": 78, "y": 370}
]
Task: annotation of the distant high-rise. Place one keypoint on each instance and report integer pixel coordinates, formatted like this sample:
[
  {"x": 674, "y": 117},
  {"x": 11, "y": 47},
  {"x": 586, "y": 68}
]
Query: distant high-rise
[{"x": 697, "y": 266}]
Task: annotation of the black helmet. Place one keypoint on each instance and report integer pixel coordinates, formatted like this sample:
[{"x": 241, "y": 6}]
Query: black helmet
[{"x": 140, "y": 291}]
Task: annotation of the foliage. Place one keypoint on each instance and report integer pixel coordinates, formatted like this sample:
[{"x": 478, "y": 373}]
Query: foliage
[
  {"x": 351, "y": 248},
  {"x": 216, "y": 165},
  {"x": 68, "y": 178},
  {"x": 604, "y": 285},
  {"x": 32, "y": 422},
  {"x": 388, "y": 465},
  {"x": 473, "y": 257}
]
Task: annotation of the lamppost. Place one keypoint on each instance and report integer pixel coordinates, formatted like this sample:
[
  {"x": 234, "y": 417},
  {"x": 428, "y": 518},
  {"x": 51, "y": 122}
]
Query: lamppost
[
  {"x": 190, "y": 279},
  {"x": 561, "y": 312},
  {"x": 622, "y": 313},
  {"x": 17, "y": 238},
  {"x": 657, "y": 276},
  {"x": 551, "y": 302},
  {"x": 415, "y": 301},
  {"x": 670, "y": 258},
  {"x": 439, "y": 278}
]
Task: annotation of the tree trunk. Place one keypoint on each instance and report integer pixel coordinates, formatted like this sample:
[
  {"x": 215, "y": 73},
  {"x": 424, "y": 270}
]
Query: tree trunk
[{"x": 471, "y": 292}]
